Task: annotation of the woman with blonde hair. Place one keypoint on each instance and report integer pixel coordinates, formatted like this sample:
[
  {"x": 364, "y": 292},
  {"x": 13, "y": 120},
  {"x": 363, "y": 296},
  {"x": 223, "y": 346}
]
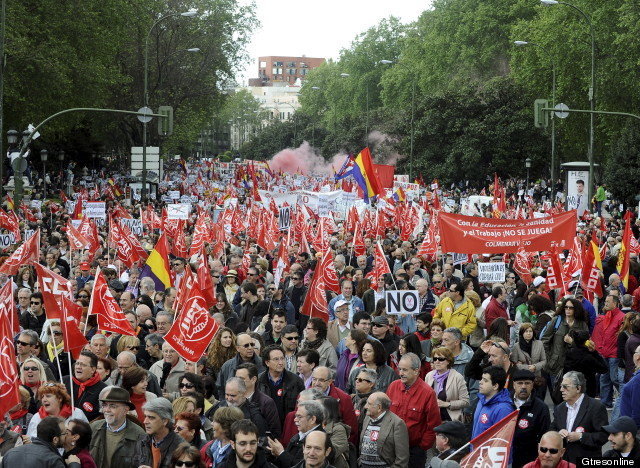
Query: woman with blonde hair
[
  {"x": 448, "y": 384},
  {"x": 184, "y": 404},
  {"x": 20, "y": 416},
  {"x": 128, "y": 343},
  {"x": 221, "y": 349}
]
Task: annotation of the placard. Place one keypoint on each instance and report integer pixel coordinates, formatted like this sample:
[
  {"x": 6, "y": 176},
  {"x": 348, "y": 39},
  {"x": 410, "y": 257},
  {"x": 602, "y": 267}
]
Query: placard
[
  {"x": 491, "y": 272},
  {"x": 6, "y": 240},
  {"x": 134, "y": 225},
  {"x": 174, "y": 194},
  {"x": 402, "y": 302},
  {"x": 178, "y": 211},
  {"x": 284, "y": 218},
  {"x": 459, "y": 259},
  {"x": 95, "y": 210}
]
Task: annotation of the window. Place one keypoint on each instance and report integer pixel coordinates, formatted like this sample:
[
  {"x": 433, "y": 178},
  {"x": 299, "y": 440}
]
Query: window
[
  {"x": 277, "y": 71},
  {"x": 304, "y": 65},
  {"x": 263, "y": 64},
  {"x": 304, "y": 71},
  {"x": 278, "y": 64},
  {"x": 292, "y": 71},
  {"x": 291, "y": 64}
]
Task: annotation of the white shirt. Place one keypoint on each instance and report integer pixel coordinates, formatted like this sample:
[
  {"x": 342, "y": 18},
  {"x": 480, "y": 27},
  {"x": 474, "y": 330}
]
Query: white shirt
[{"x": 572, "y": 412}]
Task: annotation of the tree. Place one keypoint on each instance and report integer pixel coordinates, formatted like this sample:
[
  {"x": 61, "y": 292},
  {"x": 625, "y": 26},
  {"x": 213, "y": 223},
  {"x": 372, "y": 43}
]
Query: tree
[{"x": 621, "y": 171}]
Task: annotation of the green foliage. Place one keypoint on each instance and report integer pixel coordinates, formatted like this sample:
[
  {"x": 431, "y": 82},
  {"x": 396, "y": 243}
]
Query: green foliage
[{"x": 622, "y": 171}]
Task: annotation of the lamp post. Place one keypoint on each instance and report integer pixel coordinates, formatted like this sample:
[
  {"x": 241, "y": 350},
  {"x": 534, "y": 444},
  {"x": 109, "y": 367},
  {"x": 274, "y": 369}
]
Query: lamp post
[
  {"x": 592, "y": 89},
  {"x": 188, "y": 14},
  {"x": 44, "y": 155},
  {"x": 527, "y": 164},
  {"x": 12, "y": 140},
  {"x": 61, "y": 159},
  {"x": 553, "y": 103}
]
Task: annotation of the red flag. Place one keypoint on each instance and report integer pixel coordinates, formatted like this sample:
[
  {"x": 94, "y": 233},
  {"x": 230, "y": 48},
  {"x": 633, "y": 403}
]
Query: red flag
[
  {"x": 10, "y": 223},
  {"x": 315, "y": 302},
  {"x": 590, "y": 277},
  {"x": 492, "y": 447},
  {"x": 8, "y": 311},
  {"x": 9, "y": 395},
  {"x": 103, "y": 304},
  {"x": 200, "y": 234},
  {"x": 380, "y": 267},
  {"x": 358, "y": 242},
  {"x": 194, "y": 328},
  {"x": 522, "y": 265},
  {"x": 182, "y": 294},
  {"x": 28, "y": 252},
  {"x": 624, "y": 255},
  {"x": 77, "y": 211},
  {"x": 554, "y": 273},
  {"x": 53, "y": 287},
  {"x": 76, "y": 240},
  {"x": 127, "y": 246},
  {"x": 429, "y": 246},
  {"x": 205, "y": 283},
  {"x": 74, "y": 340},
  {"x": 327, "y": 269}
]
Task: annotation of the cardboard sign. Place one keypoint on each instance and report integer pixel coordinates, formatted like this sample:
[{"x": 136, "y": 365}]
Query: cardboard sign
[
  {"x": 174, "y": 194},
  {"x": 492, "y": 272},
  {"x": 284, "y": 218},
  {"x": 459, "y": 259},
  {"x": 6, "y": 240},
  {"x": 402, "y": 302},
  {"x": 135, "y": 225},
  {"x": 178, "y": 211},
  {"x": 95, "y": 210}
]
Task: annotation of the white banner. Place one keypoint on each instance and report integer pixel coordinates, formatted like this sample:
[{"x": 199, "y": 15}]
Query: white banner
[
  {"x": 290, "y": 198},
  {"x": 178, "y": 211},
  {"x": 492, "y": 272},
  {"x": 95, "y": 209},
  {"x": 402, "y": 302},
  {"x": 135, "y": 225}
]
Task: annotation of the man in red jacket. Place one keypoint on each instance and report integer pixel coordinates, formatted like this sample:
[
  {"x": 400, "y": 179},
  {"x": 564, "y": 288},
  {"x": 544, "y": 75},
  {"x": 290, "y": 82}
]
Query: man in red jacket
[
  {"x": 322, "y": 379},
  {"x": 605, "y": 337},
  {"x": 413, "y": 401},
  {"x": 497, "y": 307}
]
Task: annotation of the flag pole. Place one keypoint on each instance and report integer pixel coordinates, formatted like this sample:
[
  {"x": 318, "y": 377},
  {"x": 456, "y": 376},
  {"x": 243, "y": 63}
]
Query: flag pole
[{"x": 70, "y": 381}]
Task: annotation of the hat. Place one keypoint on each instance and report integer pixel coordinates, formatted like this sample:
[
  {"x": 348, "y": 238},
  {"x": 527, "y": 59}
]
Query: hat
[
  {"x": 339, "y": 304},
  {"x": 117, "y": 395},
  {"x": 450, "y": 428},
  {"x": 84, "y": 266},
  {"x": 438, "y": 463},
  {"x": 380, "y": 320},
  {"x": 116, "y": 285},
  {"x": 622, "y": 424},
  {"x": 538, "y": 280},
  {"x": 572, "y": 285},
  {"x": 233, "y": 273},
  {"x": 522, "y": 374}
]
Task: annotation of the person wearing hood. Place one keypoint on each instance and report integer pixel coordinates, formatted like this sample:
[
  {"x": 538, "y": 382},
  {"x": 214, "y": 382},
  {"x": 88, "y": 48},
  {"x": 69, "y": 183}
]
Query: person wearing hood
[
  {"x": 494, "y": 402},
  {"x": 533, "y": 418}
]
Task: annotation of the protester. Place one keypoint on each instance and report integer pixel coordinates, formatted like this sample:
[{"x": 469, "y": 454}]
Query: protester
[
  {"x": 448, "y": 384},
  {"x": 494, "y": 402},
  {"x": 450, "y": 440},
  {"x": 160, "y": 440},
  {"x": 550, "y": 452},
  {"x": 55, "y": 402},
  {"x": 384, "y": 437}
]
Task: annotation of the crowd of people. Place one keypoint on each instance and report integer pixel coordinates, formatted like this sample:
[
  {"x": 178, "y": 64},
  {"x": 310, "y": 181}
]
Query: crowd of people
[{"x": 364, "y": 388}]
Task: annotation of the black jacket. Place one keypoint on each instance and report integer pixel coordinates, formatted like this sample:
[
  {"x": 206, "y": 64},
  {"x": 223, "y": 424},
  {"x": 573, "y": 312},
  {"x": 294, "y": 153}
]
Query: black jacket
[
  {"x": 634, "y": 455},
  {"x": 292, "y": 385},
  {"x": 592, "y": 415},
  {"x": 533, "y": 422},
  {"x": 294, "y": 451},
  {"x": 143, "y": 455},
  {"x": 590, "y": 363},
  {"x": 88, "y": 401},
  {"x": 269, "y": 412},
  {"x": 38, "y": 454},
  {"x": 390, "y": 341},
  {"x": 28, "y": 321},
  {"x": 252, "y": 412},
  {"x": 259, "y": 462}
]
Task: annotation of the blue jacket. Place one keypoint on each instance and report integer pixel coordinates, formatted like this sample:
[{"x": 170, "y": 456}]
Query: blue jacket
[
  {"x": 591, "y": 311},
  {"x": 355, "y": 303},
  {"x": 489, "y": 412},
  {"x": 630, "y": 401}
]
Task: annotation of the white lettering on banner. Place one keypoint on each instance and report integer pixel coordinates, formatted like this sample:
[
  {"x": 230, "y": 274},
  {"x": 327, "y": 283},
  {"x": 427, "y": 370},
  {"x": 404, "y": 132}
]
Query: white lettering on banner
[
  {"x": 178, "y": 211},
  {"x": 134, "y": 225},
  {"x": 174, "y": 194},
  {"x": 6, "y": 240},
  {"x": 284, "y": 218},
  {"x": 491, "y": 272},
  {"x": 95, "y": 210},
  {"x": 402, "y": 302}
]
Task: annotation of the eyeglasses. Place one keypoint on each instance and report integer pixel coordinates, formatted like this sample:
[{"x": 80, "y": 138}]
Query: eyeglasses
[
  {"x": 569, "y": 307},
  {"x": 316, "y": 379},
  {"x": 23, "y": 343},
  {"x": 185, "y": 385},
  {"x": 248, "y": 345},
  {"x": 83, "y": 296},
  {"x": 176, "y": 264},
  {"x": 218, "y": 276},
  {"x": 35, "y": 303},
  {"x": 566, "y": 386},
  {"x": 55, "y": 333},
  {"x": 30, "y": 369},
  {"x": 359, "y": 380},
  {"x": 291, "y": 338},
  {"x": 377, "y": 325},
  {"x": 252, "y": 274},
  {"x": 134, "y": 348},
  {"x": 553, "y": 451},
  {"x": 188, "y": 464},
  {"x": 439, "y": 359}
]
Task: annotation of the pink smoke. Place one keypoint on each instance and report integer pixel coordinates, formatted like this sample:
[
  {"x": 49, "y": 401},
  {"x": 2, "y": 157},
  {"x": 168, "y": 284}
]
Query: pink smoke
[{"x": 305, "y": 160}]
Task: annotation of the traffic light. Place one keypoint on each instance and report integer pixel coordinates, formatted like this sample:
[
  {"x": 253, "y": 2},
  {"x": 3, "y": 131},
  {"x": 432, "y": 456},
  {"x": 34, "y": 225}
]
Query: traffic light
[
  {"x": 540, "y": 117},
  {"x": 165, "y": 124}
]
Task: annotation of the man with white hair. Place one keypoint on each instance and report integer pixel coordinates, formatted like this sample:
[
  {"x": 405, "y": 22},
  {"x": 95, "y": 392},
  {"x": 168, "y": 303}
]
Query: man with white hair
[
  {"x": 159, "y": 437},
  {"x": 235, "y": 395},
  {"x": 169, "y": 370}
]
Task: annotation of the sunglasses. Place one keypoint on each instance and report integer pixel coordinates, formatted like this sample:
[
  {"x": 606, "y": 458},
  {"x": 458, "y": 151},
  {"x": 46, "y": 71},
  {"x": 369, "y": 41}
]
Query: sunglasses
[
  {"x": 55, "y": 333},
  {"x": 134, "y": 348},
  {"x": 218, "y": 276},
  {"x": 23, "y": 343},
  {"x": 291, "y": 338},
  {"x": 378, "y": 325},
  {"x": 295, "y": 278},
  {"x": 35, "y": 303},
  {"x": 359, "y": 380},
  {"x": 248, "y": 345},
  {"x": 185, "y": 385},
  {"x": 32, "y": 369},
  {"x": 83, "y": 296},
  {"x": 439, "y": 359},
  {"x": 188, "y": 464},
  {"x": 553, "y": 451}
]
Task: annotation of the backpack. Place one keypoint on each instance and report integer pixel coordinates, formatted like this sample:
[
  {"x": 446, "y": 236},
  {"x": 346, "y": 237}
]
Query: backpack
[{"x": 555, "y": 327}]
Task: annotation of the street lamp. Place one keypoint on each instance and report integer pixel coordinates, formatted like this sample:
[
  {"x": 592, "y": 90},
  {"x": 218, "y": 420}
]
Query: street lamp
[
  {"x": 553, "y": 103},
  {"x": 189, "y": 14},
  {"x": 527, "y": 164},
  {"x": 592, "y": 89},
  {"x": 44, "y": 155}
]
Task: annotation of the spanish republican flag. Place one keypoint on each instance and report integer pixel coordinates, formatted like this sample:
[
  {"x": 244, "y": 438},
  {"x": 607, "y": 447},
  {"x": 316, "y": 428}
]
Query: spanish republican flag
[
  {"x": 623, "y": 255},
  {"x": 366, "y": 176},
  {"x": 157, "y": 265}
]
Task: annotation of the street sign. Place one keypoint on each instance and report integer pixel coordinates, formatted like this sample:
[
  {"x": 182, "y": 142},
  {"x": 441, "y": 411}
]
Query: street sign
[
  {"x": 560, "y": 112},
  {"x": 402, "y": 302},
  {"x": 165, "y": 124},
  {"x": 145, "y": 118},
  {"x": 540, "y": 117}
]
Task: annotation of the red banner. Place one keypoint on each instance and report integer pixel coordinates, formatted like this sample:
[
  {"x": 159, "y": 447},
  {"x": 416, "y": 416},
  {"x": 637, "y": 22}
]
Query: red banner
[
  {"x": 492, "y": 447},
  {"x": 474, "y": 235}
]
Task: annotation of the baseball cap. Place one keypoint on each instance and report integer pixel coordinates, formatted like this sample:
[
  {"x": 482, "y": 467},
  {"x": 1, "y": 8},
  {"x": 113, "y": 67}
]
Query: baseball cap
[
  {"x": 339, "y": 304},
  {"x": 450, "y": 428},
  {"x": 84, "y": 266},
  {"x": 538, "y": 280},
  {"x": 380, "y": 320},
  {"x": 522, "y": 374},
  {"x": 622, "y": 424}
]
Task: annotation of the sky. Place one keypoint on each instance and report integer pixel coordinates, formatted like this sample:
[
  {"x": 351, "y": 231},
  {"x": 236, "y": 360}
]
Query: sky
[{"x": 319, "y": 28}]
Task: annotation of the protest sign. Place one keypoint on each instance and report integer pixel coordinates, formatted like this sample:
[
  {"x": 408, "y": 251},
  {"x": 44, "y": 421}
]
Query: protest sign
[
  {"x": 178, "y": 211},
  {"x": 491, "y": 272},
  {"x": 94, "y": 209},
  {"x": 402, "y": 302}
]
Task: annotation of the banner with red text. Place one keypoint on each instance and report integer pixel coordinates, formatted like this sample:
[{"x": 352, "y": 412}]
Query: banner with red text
[{"x": 469, "y": 234}]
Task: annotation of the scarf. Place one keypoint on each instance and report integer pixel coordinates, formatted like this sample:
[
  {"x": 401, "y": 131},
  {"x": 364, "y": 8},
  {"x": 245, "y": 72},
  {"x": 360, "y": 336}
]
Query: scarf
[
  {"x": 82, "y": 386},
  {"x": 65, "y": 412},
  {"x": 53, "y": 350},
  {"x": 313, "y": 344},
  {"x": 439, "y": 380},
  {"x": 526, "y": 346},
  {"x": 138, "y": 401},
  {"x": 18, "y": 414},
  {"x": 33, "y": 385}
]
